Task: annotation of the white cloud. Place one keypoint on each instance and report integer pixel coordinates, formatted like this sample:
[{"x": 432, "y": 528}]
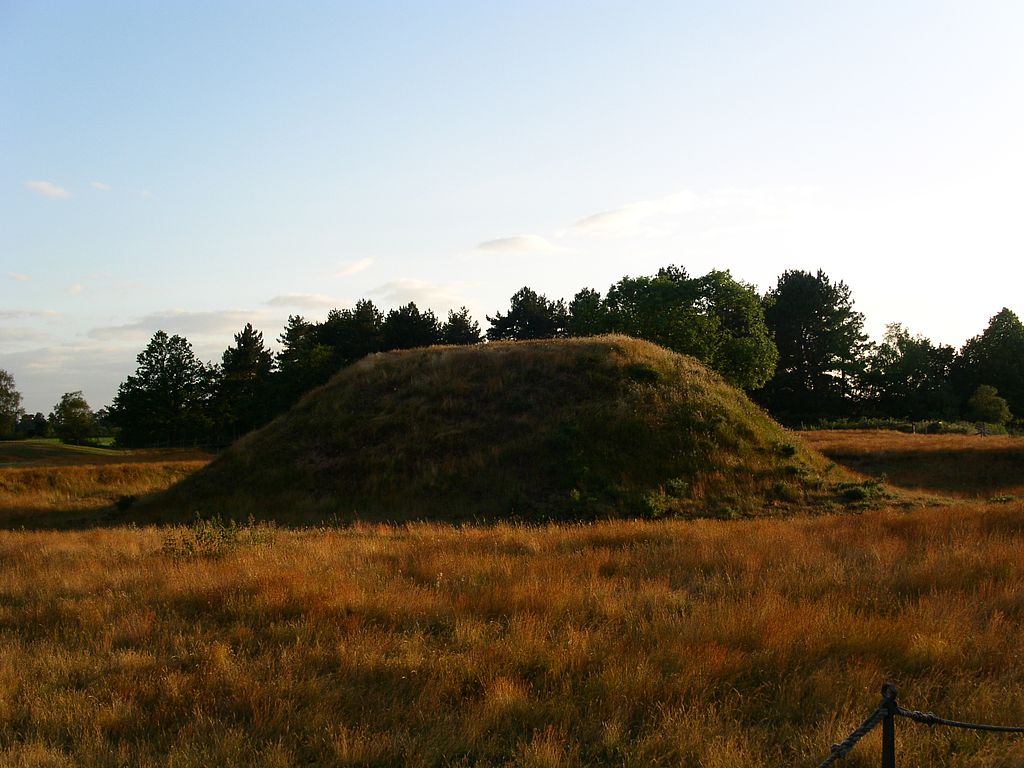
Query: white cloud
[
  {"x": 76, "y": 289},
  {"x": 303, "y": 301},
  {"x": 518, "y": 244},
  {"x": 177, "y": 321},
  {"x": 627, "y": 218},
  {"x": 18, "y": 335},
  {"x": 354, "y": 267},
  {"x": 44, "y": 371},
  {"x": 47, "y": 189},
  {"x": 17, "y": 314},
  {"x": 439, "y": 297},
  {"x": 21, "y": 277},
  {"x": 100, "y": 186}
]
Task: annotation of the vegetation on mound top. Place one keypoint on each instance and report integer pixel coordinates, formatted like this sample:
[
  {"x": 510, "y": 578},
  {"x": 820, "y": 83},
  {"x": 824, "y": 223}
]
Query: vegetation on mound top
[{"x": 568, "y": 429}]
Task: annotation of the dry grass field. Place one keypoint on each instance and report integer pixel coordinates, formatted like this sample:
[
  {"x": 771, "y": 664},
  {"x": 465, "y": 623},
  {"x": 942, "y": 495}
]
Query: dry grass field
[
  {"x": 966, "y": 466},
  {"x": 76, "y": 496},
  {"x": 725, "y": 644}
]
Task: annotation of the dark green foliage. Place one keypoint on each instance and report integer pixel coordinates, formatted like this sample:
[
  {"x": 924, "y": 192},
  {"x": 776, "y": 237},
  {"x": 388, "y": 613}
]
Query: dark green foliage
[
  {"x": 32, "y": 425},
  {"x": 986, "y": 406},
  {"x": 167, "y": 401},
  {"x": 713, "y": 318},
  {"x": 995, "y": 358},
  {"x": 244, "y": 393},
  {"x": 10, "y": 405},
  {"x": 742, "y": 351},
  {"x": 907, "y": 377},
  {"x": 351, "y": 334},
  {"x": 866, "y": 491},
  {"x": 302, "y": 363},
  {"x": 662, "y": 309},
  {"x": 460, "y": 328},
  {"x": 407, "y": 328},
  {"x": 530, "y": 316},
  {"x": 820, "y": 343},
  {"x": 588, "y": 315},
  {"x": 72, "y": 419},
  {"x": 313, "y": 352}
]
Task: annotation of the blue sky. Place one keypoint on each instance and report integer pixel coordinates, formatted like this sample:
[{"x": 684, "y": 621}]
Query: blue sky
[{"x": 194, "y": 166}]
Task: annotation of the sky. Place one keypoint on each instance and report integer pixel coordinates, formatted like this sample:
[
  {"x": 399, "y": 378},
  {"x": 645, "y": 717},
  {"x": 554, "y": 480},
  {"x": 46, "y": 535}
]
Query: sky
[{"x": 193, "y": 166}]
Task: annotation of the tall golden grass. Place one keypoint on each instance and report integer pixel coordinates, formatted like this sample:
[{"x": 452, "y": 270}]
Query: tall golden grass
[
  {"x": 705, "y": 643},
  {"x": 64, "y": 496}
]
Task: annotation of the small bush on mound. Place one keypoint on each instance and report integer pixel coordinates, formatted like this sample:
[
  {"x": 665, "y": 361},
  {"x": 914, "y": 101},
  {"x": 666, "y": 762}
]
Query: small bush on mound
[{"x": 549, "y": 430}]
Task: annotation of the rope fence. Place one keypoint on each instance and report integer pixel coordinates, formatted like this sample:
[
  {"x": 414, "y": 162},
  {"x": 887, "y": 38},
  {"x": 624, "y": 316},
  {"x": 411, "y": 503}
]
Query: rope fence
[{"x": 885, "y": 715}]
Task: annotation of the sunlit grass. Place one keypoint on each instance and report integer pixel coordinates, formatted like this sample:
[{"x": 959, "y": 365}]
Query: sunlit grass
[
  {"x": 672, "y": 643},
  {"x": 62, "y": 496},
  {"x": 746, "y": 643},
  {"x": 969, "y": 466}
]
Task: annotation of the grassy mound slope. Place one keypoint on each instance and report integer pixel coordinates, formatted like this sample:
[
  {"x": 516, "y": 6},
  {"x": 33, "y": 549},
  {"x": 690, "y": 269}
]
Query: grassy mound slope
[{"x": 568, "y": 429}]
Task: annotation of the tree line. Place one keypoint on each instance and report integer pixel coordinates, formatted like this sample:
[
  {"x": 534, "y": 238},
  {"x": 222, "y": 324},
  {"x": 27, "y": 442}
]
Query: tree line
[{"x": 799, "y": 350}]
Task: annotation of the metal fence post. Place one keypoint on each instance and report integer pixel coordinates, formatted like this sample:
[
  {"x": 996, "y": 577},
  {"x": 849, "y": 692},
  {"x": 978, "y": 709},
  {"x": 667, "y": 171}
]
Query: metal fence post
[{"x": 889, "y": 727}]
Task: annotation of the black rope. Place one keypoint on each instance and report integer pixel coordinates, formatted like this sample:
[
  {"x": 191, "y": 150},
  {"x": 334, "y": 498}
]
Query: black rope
[
  {"x": 842, "y": 749},
  {"x": 927, "y": 718}
]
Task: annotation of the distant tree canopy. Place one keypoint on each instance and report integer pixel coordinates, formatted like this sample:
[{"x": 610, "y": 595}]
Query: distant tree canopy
[
  {"x": 407, "y": 328},
  {"x": 714, "y": 318},
  {"x": 821, "y": 346},
  {"x": 530, "y": 316},
  {"x": 72, "y": 420},
  {"x": 907, "y": 377},
  {"x": 32, "y": 425},
  {"x": 588, "y": 314},
  {"x": 243, "y": 393},
  {"x": 460, "y": 328},
  {"x": 10, "y": 405},
  {"x": 166, "y": 401},
  {"x": 800, "y": 349},
  {"x": 995, "y": 358}
]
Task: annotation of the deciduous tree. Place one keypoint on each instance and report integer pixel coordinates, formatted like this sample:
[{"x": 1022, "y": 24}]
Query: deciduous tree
[
  {"x": 986, "y": 405},
  {"x": 713, "y": 318},
  {"x": 10, "y": 404},
  {"x": 72, "y": 419},
  {"x": 996, "y": 358},
  {"x": 166, "y": 401},
  {"x": 907, "y": 377}
]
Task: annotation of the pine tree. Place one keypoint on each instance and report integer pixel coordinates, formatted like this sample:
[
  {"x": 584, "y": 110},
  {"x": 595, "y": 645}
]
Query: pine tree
[
  {"x": 460, "y": 328},
  {"x": 244, "y": 392},
  {"x": 530, "y": 316},
  {"x": 407, "y": 327}
]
